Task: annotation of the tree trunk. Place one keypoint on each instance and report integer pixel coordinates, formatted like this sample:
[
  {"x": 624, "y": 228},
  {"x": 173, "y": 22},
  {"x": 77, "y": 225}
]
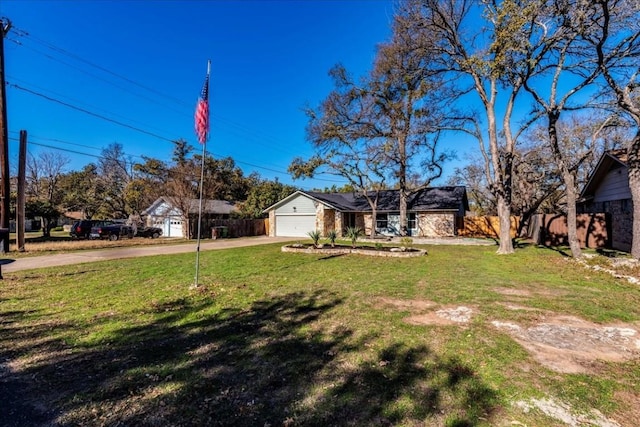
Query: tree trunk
[
  {"x": 568, "y": 177},
  {"x": 633, "y": 157},
  {"x": 374, "y": 213},
  {"x": 571, "y": 196},
  {"x": 504, "y": 216},
  {"x": 403, "y": 212},
  {"x": 402, "y": 180},
  {"x": 46, "y": 227}
]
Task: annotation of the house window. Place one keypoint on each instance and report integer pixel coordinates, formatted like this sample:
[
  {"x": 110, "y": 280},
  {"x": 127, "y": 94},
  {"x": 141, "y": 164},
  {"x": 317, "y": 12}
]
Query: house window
[
  {"x": 382, "y": 220},
  {"x": 626, "y": 205},
  {"x": 411, "y": 221}
]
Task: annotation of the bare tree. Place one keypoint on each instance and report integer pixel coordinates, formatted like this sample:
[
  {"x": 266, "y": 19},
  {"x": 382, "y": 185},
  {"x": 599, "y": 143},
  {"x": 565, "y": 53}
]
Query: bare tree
[
  {"x": 618, "y": 51},
  {"x": 478, "y": 47},
  {"x": 115, "y": 172},
  {"x": 44, "y": 190}
]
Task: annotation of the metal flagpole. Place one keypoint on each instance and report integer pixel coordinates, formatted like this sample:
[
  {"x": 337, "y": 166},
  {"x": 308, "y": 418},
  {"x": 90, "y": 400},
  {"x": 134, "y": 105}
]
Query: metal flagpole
[
  {"x": 195, "y": 283},
  {"x": 204, "y": 151}
]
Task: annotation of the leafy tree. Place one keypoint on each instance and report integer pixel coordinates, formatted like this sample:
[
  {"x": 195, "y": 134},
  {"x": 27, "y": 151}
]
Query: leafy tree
[
  {"x": 115, "y": 173},
  {"x": 148, "y": 183},
  {"x": 46, "y": 211},
  {"x": 262, "y": 194},
  {"x": 80, "y": 191},
  {"x": 383, "y": 127}
]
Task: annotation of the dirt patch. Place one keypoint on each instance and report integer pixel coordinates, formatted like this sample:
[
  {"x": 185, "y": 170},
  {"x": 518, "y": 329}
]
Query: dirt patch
[
  {"x": 513, "y": 292},
  {"x": 527, "y": 293},
  {"x": 563, "y": 412},
  {"x": 570, "y": 345},
  {"x": 412, "y": 305},
  {"x": 446, "y": 316},
  {"x": 516, "y": 307},
  {"x": 424, "y": 314},
  {"x": 564, "y": 344}
]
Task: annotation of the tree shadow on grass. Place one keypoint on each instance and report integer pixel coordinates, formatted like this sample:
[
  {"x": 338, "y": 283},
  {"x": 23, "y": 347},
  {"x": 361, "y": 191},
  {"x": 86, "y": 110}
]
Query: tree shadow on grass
[{"x": 277, "y": 362}]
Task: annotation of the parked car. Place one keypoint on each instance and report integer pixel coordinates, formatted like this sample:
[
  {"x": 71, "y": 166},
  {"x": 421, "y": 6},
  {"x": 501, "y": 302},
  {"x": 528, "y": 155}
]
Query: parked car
[
  {"x": 82, "y": 229},
  {"x": 112, "y": 231},
  {"x": 152, "y": 232}
]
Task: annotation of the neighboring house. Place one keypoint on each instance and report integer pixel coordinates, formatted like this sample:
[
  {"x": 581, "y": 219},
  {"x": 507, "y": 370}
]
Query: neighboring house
[
  {"x": 163, "y": 214},
  {"x": 431, "y": 212},
  {"x": 608, "y": 191}
]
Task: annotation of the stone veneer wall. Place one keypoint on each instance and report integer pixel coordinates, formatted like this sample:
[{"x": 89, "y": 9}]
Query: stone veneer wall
[
  {"x": 329, "y": 221},
  {"x": 621, "y": 225},
  {"x": 338, "y": 223},
  {"x": 319, "y": 217},
  {"x": 436, "y": 225},
  {"x": 367, "y": 223},
  {"x": 620, "y": 221},
  {"x": 272, "y": 223}
]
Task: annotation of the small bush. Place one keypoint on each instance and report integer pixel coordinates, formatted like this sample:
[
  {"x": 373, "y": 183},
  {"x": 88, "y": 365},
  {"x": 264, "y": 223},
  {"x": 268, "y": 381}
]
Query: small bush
[
  {"x": 353, "y": 233},
  {"x": 332, "y": 236},
  {"x": 315, "y": 236},
  {"x": 406, "y": 242}
]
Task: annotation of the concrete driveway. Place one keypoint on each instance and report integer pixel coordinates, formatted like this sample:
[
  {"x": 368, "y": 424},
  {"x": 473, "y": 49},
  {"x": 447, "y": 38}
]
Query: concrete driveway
[{"x": 10, "y": 265}]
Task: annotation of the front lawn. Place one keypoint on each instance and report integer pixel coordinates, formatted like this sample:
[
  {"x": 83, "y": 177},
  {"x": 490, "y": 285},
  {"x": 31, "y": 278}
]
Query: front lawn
[{"x": 272, "y": 338}]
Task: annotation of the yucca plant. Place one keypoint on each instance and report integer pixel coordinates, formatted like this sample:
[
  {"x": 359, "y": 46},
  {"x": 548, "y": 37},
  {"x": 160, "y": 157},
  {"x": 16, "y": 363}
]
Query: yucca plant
[
  {"x": 332, "y": 236},
  {"x": 315, "y": 236},
  {"x": 353, "y": 233}
]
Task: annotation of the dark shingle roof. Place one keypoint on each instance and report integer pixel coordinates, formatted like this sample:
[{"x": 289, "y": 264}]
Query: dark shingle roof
[{"x": 428, "y": 199}]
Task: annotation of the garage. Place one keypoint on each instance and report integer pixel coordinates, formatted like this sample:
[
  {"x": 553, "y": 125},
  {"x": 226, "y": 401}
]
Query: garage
[
  {"x": 294, "y": 225},
  {"x": 295, "y": 216}
]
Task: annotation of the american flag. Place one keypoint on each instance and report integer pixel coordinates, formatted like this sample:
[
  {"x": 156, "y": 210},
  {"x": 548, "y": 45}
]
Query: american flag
[{"x": 202, "y": 113}]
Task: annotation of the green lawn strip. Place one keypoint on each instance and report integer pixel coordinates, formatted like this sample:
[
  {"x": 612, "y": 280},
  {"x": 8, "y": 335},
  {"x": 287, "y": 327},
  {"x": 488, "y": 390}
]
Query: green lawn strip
[{"x": 270, "y": 336}]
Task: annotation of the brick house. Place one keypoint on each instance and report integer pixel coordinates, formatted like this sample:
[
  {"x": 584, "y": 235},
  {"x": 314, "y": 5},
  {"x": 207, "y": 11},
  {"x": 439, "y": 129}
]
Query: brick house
[{"x": 431, "y": 212}]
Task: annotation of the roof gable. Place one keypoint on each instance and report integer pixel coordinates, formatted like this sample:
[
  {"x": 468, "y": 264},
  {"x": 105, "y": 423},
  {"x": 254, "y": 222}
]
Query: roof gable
[
  {"x": 163, "y": 206},
  {"x": 291, "y": 196},
  {"x": 610, "y": 160}
]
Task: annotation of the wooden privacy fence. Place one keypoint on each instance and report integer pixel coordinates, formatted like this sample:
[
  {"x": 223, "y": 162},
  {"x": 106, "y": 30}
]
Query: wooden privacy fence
[
  {"x": 551, "y": 230},
  {"x": 238, "y": 227},
  {"x": 544, "y": 229},
  {"x": 485, "y": 226}
]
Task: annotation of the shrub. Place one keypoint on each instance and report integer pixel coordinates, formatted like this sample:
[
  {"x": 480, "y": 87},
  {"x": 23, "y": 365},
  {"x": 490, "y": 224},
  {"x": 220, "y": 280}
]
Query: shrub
[
  {"x": 315, "y": 236},
  {"x": 353, "y": 233},
  {"x": 406, "y": 242},
  {"x": 332, "y": 236}
]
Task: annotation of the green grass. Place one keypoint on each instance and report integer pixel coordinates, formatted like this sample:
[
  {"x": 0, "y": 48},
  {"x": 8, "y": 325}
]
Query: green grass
[{"x": 277, "y": 338}]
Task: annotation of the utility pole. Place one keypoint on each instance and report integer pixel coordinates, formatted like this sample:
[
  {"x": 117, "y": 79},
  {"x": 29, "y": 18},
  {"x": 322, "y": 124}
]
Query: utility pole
[
  {"x": 5, "y": 26},
  {"x": 21, "y": 201}
]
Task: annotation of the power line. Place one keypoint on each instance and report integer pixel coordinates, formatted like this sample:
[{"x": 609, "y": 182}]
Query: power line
[
  {"x": 85, "y": 61},
  {"x": 218, "y": 119},
  {"x": 240, "y": 162},
  {"x": 91, "y": 113},
  {"x": 120, "y": 123}
]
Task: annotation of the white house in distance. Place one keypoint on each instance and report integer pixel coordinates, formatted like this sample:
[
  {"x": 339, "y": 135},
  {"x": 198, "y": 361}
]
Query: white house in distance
[
  {"x": 163, "y": 214},
  {"x": 431, "y": 212}
]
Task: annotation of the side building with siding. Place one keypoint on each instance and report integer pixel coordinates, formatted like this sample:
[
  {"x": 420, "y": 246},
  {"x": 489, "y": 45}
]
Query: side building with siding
[{"x": 608, "y": 191}]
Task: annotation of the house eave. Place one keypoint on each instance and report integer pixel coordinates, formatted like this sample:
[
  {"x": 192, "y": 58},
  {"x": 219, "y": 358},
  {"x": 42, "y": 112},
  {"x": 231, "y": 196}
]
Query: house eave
[{"x": 292, "y": 195}]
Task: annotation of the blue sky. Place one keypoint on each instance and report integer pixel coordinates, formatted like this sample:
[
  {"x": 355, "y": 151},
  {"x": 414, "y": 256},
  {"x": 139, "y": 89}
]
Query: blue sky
[{"x": 142, "y": 63}]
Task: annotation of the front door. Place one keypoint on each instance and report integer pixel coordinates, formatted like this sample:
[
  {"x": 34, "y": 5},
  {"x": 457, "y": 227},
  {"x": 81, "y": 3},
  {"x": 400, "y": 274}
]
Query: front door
[{"x": 349, "y": 219}]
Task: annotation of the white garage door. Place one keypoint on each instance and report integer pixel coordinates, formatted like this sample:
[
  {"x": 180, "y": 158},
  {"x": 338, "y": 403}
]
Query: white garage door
[{"x": 295, "y": 225}]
